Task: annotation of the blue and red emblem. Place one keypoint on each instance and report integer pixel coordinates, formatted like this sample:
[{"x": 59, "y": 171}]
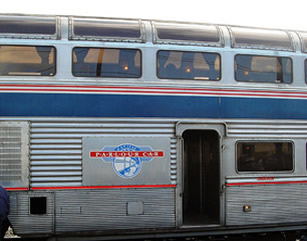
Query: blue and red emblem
[{"x": 127, "y": 159}]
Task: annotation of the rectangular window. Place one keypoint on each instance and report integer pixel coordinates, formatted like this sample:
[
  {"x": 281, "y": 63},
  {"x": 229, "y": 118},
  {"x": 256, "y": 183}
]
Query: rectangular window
[
  {"x": 306, "y": 70},
  {"x": 189, "y": 65},
  {"x": 27, "y": 25},
  {"x": 101, "y": 62},
  {"x": 105, "y": 28},
  {"x": 264, "y": 156},
  {"x": 254, "y": 38},
  {"x": 187, "y": 32},
  {"x": 267, "y": 69},
  {"x": 27, "y": 60}
]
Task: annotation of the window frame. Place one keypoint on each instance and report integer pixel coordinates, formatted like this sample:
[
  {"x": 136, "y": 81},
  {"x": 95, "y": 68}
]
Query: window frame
[
  {"x": 103, "y": 77},
  {"x": 36, "y": 76},
  {"x": 264, "y": 141},
  {"x": 262, "y": 55},
  {"x": 198, "y": 80},
  {"x": 305, "y": 70}
]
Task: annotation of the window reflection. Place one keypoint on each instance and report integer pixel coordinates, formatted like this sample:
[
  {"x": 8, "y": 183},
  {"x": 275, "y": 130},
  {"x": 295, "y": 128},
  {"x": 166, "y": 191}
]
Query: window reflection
[
  {"x": 100, "y": 62},
  {"x": 188, "y": 65},
  {"x": 251, "y": 68},
  {"x": 264, "y": 156}
]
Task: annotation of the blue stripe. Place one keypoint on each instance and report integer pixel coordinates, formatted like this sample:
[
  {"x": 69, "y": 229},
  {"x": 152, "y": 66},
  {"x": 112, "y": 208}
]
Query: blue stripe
[{"x": 95, "y": 105}]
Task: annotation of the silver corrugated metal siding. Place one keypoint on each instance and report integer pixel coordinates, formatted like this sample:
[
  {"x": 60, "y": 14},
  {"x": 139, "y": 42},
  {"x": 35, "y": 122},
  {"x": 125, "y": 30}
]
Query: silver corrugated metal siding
[
  {"x": 269, "y": 129},
  {"x": 107, "y": 209},
  {"x": 25, "y": 223},
  {"x": 270, "y": 204},
  {"x": 56, "y": 146}
]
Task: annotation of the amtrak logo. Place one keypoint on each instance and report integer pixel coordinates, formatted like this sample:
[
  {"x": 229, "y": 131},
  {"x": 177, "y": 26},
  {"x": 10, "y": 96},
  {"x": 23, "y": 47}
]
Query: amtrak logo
[{"x": 127, "y": 159}]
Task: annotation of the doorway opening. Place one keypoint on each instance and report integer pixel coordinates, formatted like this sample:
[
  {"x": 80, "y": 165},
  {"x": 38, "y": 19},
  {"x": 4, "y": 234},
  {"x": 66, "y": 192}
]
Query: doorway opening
[{"x": 201, "y": 200}]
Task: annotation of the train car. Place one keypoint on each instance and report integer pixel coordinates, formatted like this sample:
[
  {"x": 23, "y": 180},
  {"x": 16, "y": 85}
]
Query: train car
[{"x": 144, "y": 128}]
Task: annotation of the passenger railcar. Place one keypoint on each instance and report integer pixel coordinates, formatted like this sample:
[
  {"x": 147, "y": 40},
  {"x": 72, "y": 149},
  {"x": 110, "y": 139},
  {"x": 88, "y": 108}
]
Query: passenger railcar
[{"x": 151, "y": 128}]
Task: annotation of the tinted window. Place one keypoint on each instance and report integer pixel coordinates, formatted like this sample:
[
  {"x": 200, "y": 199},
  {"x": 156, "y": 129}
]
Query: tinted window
[
  {"x": 188, "y": 65},
  {"x": 106, "y": 28},
  {"x": 252, "y": 68},
  {"x": 185, "y": 32},
  {"x": 100, "y": 62},
  {"x": 261, "y": 38},
  {"x": 27, "y": 60},
  {"x": 27, "y": 25},
  {"x": 264, "y": 156}
]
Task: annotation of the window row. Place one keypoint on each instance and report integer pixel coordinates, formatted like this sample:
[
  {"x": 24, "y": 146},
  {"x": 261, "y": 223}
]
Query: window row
[{"x": 126, "y": 63}]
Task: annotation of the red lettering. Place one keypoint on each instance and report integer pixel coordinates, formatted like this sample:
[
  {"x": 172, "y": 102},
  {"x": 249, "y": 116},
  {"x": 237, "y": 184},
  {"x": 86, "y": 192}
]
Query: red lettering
[{"x": 109, "y": 154}]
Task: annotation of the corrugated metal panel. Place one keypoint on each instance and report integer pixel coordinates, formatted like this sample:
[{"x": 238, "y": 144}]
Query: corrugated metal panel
[
  {"x": 23, "y": 221},
  {"x": 56, "y": 146},
  {"x": 269, "y": 204},
  {"x": 259, "y": 128},
  {"x": 107, "y": 209}
]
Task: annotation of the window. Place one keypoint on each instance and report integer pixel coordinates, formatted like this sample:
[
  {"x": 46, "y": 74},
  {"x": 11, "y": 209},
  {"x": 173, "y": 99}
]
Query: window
[
  {"x": 306, "y": 70},
  {"x": 264, "y": 156},
  {"x": 187, "y": 32},
  {"x": 106, "y": 29},
  {"x": 267, "y": 69},
  {"x": 27, "y": 60},
  {"x": 189, "y": 65},
  {"x": 100, "y": 62},
  {"x": 261, "y": 39},
  {"x": 27, "y": 25}
]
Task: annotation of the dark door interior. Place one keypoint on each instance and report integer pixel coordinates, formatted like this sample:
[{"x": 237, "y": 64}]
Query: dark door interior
[{"x": 201, "y": 205}]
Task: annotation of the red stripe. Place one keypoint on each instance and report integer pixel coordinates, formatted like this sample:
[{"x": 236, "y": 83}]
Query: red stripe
[
  {"x": 213, "y": 92},
  {"x": 106, "y": 187},
  {"x": 16, "y": 188},
  {"x": 157, "y": 90},
  {"x": 151, "y": 88},
  {"x": 265, "y": 183}
]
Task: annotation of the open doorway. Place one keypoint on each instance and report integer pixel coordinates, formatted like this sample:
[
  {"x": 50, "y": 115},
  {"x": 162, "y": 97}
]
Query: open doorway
[{"x": 201, "y": 202}]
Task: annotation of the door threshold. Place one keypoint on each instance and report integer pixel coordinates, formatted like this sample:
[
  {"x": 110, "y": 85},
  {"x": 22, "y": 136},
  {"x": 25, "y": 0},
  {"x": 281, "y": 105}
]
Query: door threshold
[{"x": 187, "y": 226}]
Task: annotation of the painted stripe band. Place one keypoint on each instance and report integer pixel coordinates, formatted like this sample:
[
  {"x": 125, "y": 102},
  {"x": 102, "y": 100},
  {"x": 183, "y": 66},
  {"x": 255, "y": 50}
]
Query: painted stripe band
[
  {"x": 151, "y": 91},
  {"x": 16, "y": 188},
  {"x": 266, "y": 183},
  {"x": 106, "y": 187}
]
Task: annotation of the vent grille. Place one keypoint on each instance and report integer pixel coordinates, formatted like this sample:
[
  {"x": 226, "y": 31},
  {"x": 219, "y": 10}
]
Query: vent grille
[{"x": 13, "y": 153}]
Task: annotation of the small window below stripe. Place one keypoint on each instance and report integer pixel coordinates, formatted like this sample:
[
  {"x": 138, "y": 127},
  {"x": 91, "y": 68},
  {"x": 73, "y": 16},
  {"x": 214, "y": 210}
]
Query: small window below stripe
[{"x": 264, "y": 156}]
